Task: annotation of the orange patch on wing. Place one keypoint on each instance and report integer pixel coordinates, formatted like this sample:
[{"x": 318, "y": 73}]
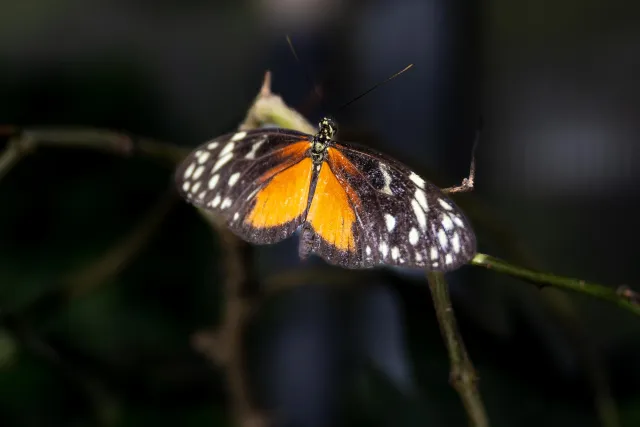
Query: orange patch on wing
[
  {"x": 337, "y": 159},
  {"x": 331, "y": 214},
  {"x": 284, "y": 198},
  {"x": 290, "y": 155}
]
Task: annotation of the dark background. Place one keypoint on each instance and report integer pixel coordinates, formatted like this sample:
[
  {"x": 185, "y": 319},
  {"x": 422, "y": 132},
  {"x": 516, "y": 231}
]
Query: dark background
[{"x": 557, "y": 85}]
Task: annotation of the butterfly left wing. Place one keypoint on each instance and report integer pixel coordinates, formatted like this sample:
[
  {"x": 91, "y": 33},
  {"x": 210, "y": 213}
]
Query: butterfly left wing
[
  {"x": 381, "y": 212},
  {"x": 258, "y": 180}
]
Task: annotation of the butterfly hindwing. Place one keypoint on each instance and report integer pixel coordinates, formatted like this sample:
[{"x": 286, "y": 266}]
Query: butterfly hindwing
[
  {"x": 331, "y": 229},
  {"x": 257, "y": 180}
]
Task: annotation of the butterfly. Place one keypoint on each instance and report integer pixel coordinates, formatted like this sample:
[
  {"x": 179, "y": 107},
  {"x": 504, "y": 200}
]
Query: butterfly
[{"x": 355, "y": 207}]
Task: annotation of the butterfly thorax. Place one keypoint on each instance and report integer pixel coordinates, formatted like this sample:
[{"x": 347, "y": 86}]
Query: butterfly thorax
[{"x": 322, "y": 139}]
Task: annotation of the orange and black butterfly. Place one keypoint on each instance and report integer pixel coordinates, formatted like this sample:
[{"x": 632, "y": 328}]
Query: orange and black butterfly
[{"x": 356, "y": 208}]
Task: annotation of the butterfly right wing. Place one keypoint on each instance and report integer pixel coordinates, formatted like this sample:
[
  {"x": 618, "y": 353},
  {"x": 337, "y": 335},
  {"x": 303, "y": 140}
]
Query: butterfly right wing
[
  {"x": 258, "y": 180},
  {"x": 412, "y": 222},
  {"x": 369, "y": 209}
]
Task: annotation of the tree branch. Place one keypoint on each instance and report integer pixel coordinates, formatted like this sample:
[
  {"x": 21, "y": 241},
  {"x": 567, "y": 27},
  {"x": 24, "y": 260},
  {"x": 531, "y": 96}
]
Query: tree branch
[
  {"x": 623, "y": 297},
  {"x": 121, "y": 254},
  {"x": 225, "y": 346},
  {"x": 23, "y": 142},
  {"x": 462, "y": 375}
]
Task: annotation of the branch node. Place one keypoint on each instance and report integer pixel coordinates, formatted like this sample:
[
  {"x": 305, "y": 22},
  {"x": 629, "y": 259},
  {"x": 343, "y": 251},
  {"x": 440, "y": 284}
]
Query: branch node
[
  {"x": 125, "y": 144},
  {"x": 22, "y": 144},
  {"x": 209, "y": 344},
  {"x": 629, "y": 294}
]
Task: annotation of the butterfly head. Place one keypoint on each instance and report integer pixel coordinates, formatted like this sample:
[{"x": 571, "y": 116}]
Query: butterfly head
[{"x": 327, "y": 130}]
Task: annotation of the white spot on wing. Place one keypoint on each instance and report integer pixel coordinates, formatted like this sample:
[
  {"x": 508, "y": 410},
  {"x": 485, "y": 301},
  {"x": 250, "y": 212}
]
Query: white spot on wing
[
  {"x": 198, "y": 172},
  {"x": 387, "y": 179},
  {"x": 213, "y": 181},
  {"x": 202, "y": 194},
  {"x": 445, "y": 205},
  {"x": 446, "y": 222},
  {"x": 419, "y": 213},
  {"x": 368, "y": 250},
  {"x": 422, "y": 199},
  {"x": 435, "y": 264},
  {"x": 203, "y": 157},
  {"x": 189, "y": 171},
  {"x": 442, "y": 238},
  {"x": 254, "y": 149},
  {"x": 417, "y": 180},
  {"x": 227, "y": 149},
  {"x": 212, "y": 145},
  {"x": 434, "y": 252},
  {"x": 414, "y": 236},
  {"x": 225, "y": 203},
  {"x": 236, "y": 216},
  {"x": 238, "y": 136},
  {"x": 221, "y": 162},
  {"x": 185, "y": 186},
  {"x": 195, "y": 187},
  {"x": 455, "y": 241},
  {"x": 384, "y": 249},
  {"x": 458, "y": 221},
  {"x": 390, "y": 221},
  {"x": 448, "y": 259},
  {"x": 418, "y": 257},
  {"x": 395, "y": 252},
  {"x": 216, "y": 201},
  {"x": 233, "y": 179}
]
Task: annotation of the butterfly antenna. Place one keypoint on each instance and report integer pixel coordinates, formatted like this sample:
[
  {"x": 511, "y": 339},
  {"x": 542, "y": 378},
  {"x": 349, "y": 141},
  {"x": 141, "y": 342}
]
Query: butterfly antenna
[
  {"x": 305, "y": 70},
  {"x": 376, "y": 86}
]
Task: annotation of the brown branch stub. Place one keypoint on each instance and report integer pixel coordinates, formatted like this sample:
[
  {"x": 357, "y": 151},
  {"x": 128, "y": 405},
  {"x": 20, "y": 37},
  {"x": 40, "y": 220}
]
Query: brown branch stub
[
  {"x": 468, "y": 183},
  {"x": 265, "y": 90},
  {"x": 462, "y": 376},
  {"x": 269, "y": 109}
]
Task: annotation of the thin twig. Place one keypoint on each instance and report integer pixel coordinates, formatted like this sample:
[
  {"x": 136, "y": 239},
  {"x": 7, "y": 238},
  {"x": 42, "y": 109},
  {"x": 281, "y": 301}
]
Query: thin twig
[
  {"x": 626, "y": 298},
  {"x": 97, "y": 395},
  {"x": 118, "y": 256},
  {"x": 28, "y": 140},
  {"x": 225, "y": 346},
  {"x": 462, "y": 375},
  {"x": 97, "y": 272}
]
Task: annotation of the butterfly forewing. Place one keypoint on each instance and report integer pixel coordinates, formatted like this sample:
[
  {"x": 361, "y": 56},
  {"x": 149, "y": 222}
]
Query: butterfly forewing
[
  {"x": 401, "y": 218},
  {"x": 257, "y": 180}
]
